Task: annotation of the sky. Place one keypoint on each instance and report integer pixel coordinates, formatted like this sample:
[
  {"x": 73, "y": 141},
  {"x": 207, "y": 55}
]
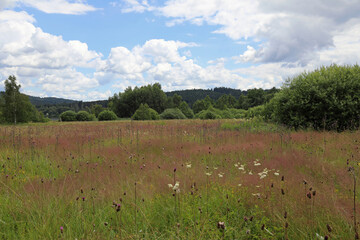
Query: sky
[{"x": 90, "y": 50}]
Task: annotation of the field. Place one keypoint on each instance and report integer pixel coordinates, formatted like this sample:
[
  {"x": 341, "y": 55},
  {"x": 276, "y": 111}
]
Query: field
[{"x": 189, "y": 179}]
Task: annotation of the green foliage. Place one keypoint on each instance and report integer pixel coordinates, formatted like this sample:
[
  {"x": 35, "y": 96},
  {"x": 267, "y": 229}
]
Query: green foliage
[
  {"x": 107, "y": 115},
  {"x": 144, "y": 112},
  {"x": 15, "y": 106},
  {"x": 96, "y": 109},
  {"x": 257, "y": 111},
  {"x": 225, "y": 101},
  {"x": 210, "y": 113},
  {"x": 186, "y": 110},
  {"x": 125, "y": 104},
  {"x": 172, "y": 113},
  {"x": 203, "y": 104},
  {"x": 238, "y": 113},
  {"x": 68, "y": 116},
  {"x": 327, "y": 98},
  {"x": 84, "y": 116}
]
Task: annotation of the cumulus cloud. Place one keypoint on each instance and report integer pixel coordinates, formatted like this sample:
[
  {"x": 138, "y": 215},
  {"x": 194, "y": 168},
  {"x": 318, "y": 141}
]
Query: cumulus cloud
[
  {"x": 75, "y": 7},
  {"x": 29, "y": 53},
  {"x": 286, "y": 30},
  {"x": 158, "y": 60}
]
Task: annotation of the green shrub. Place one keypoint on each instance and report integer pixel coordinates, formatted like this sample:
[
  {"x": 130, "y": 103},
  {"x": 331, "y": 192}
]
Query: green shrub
[
  {"x": 172, "y": 113},
  {"x": 84, "y": 116},
  {"x": 186, "y": 110},
  {"x": 327, "y": 98},
  {"x": 210, "y": 113},
  {"x": 238, "y": 113},
  {"x": 257, "y": 111},
  {"x": 107, "y": 115},
  {"x": 226, "y": 114},
  {"x": 144, "y": 112},
  {"x": 68, "y": 116}
]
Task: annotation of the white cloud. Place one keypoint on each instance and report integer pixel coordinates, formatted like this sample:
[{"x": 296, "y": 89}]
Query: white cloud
[
  {"x": 160, "y": 61},
  {"x": 29, "y": 53},
  {"x": 286, "y": 30},
  {"x": 74, "y": 7}
]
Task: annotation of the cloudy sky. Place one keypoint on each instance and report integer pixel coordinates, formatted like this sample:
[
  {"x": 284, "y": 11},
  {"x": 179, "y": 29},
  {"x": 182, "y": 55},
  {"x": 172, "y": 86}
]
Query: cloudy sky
[{"x": 89, "y": 50}]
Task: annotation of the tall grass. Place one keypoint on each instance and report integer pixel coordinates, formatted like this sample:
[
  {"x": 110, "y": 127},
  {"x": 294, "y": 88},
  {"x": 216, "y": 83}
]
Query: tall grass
[{"x": 111, "y": 181}]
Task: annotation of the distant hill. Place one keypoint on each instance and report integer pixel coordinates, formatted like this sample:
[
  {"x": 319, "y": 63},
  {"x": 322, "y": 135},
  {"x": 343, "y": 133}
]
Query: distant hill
[{"x": 39, "y": 101}]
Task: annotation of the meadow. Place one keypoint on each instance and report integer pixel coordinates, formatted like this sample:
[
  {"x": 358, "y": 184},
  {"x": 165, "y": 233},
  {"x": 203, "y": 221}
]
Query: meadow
[{"x": 178, "y": 179}]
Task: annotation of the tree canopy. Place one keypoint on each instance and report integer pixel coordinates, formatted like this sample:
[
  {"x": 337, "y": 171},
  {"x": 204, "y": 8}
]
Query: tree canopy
[
  {"x": 16, "y": 107},
  {"x": 327, "y": 98}
]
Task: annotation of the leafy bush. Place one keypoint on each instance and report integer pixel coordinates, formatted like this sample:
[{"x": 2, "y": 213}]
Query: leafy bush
[
  {"x": 144, "y": 112},
  {"x": 257, "y": 111},
  {"x": 210, "y": 113},
  {"x": 84, "y": 116},
  {"x": 327, "y": 98},
  {"x": 68, "y": 116},
  {"x": 186, "y": 110},
  {"x": 238, "y": 113},
  {"x": 226, "y": 114},
  {"x": 107, "y": 115},
  {"x": 172, "y": 113}
]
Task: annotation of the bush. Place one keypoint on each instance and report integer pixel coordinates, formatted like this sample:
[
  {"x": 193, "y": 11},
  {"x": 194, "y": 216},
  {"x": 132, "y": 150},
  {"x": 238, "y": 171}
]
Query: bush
[
  {"x": 238, "y": 113},
  {"x": 68, "y": 116},
  {"x": 172, "y": 113},
  {"x": 107, "y": 115},
  {"x": 226, "y": 114},
  {"x": 84, "y": 116},
  {"x": 144, "y": 112},
  {"x": 327, "y": 98},
  {"x": 253, "y": 112},
  {"x": 186, "y": 110},
  {"x": 210, "y": 113}
]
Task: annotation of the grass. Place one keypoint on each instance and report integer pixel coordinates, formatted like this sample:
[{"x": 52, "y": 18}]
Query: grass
[{"x": 81, "y": 177}]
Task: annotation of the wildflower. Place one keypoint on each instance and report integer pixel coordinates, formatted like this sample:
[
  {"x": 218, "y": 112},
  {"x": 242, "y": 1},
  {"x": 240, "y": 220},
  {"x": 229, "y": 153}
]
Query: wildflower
[
  {"x": 215, "y": 168},
  {"x": 61, "y": 229},
  {"x": 276, "y": 173},
  {"x": 221, "y": 225},
  {"x": 250, "y": 173},
  {"x": 236, "y": 165},
  {"x": 208, "y": 174},
  {"x": 221, "y": 175},
  {"x": 188, "y": 165},
  {"x": 239, "y": 185}
]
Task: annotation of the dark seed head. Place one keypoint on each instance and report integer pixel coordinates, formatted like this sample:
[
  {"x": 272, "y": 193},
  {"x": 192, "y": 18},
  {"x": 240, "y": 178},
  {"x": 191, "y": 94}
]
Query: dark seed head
[
  {"x": 285, "y": 214},
  {"x": 308, "y": 195},
  {"x": 328, "y": 228}
]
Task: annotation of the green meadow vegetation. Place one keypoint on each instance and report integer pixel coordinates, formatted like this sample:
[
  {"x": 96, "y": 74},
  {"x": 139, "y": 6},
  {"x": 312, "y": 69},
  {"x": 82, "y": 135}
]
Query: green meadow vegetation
[
  {"x": 176, "y": 179},
  {"x": 280, "y": 165}
]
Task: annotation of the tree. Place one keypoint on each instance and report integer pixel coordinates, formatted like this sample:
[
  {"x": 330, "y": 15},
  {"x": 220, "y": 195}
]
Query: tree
[
  {"x": 186, "y": 110},
  {"x": 125, "y": 104},
  {"x": 16, "y": 106},
  {"x": 327, "y": 98},
  {"x": 96, "y": 109}
]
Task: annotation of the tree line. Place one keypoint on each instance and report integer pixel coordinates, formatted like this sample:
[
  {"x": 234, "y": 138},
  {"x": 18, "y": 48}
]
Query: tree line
[{"x": 324, "y": 99}]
